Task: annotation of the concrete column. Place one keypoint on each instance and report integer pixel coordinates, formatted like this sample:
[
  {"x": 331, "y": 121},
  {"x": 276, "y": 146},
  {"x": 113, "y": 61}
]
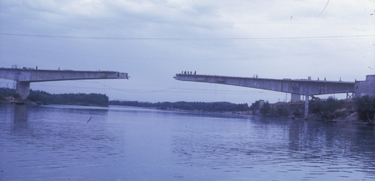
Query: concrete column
[
  {"x": 295, "y": 98},
  {"x": 306, "y": 105},
  {"x": 23, "y": 89}
]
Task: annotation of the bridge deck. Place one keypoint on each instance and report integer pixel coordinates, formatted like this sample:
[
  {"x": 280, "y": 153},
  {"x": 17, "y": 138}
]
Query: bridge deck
[
  {"x": 37, "y": 75},
  {"x": 25, "y": 76},
  {"x": 296, "y": 86}
]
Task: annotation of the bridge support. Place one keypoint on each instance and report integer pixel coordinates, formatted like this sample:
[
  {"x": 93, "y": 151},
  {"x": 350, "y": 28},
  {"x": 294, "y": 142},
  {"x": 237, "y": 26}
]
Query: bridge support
[
  {"x": 295, "y": 98},
  {"x": 23, "y": 77},
  {"x": 306, "y": 105},
  {"x": 23, "y": 89}
]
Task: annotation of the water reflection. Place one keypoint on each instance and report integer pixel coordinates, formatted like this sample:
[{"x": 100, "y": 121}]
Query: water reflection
[
  {"x": 21, "y": 113},
  {"x": 56, "y": 137},
  {"x": 64, "y": 109},
  {"x": 316, "y": 148},
  {"x": 124, "y": 143}
]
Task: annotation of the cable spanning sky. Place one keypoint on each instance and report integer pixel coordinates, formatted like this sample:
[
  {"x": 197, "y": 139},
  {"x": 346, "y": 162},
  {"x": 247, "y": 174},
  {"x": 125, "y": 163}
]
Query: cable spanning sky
[{"x": 154, "y": 40}]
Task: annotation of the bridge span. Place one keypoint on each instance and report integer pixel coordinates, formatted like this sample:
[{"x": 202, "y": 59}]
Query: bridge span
[
  {"x": 296, "y": 87},
  {"x": 25, "y": 76}
]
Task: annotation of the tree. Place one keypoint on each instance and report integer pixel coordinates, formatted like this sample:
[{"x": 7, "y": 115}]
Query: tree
[
  {"x": 254, "y": 106},
  {"x": 365, "y": 108},
  {"x": 326, "y": 110},
  {"x": 1, "y": 97},
  {"x": 265, "y": 108}
]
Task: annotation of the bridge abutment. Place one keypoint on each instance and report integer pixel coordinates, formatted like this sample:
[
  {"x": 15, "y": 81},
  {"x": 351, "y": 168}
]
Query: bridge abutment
[
  {"x": 367, "y": 87},
  {"x": 23, "y": 89}
]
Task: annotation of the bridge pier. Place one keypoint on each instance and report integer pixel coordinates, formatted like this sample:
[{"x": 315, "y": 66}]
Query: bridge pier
[{"x": 23, "y": 89}]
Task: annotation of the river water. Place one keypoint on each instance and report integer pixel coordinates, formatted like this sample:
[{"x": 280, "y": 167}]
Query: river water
[{"x": 125, "y": 143}]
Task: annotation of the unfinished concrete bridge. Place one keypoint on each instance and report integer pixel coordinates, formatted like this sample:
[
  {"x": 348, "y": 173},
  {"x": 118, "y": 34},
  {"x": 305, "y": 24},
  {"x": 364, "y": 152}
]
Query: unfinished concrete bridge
[
  {"x": 25, "y": 76},
  {"x": 295, "y": 87}
]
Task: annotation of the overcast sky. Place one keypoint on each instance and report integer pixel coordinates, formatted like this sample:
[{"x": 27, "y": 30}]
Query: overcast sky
[{"x": 154, "y": 40}]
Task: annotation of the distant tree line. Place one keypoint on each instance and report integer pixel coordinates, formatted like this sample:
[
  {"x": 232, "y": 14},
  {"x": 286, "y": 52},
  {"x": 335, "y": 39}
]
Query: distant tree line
[
  {"x": 47, "y": 98},
  {"x": 191, "y": 106},
  {"x": 69, "y": 99}
]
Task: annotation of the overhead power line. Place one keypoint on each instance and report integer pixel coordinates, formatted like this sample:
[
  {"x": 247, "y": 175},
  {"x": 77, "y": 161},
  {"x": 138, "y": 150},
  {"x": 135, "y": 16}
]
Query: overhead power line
[{"x": 181, "y": 39}]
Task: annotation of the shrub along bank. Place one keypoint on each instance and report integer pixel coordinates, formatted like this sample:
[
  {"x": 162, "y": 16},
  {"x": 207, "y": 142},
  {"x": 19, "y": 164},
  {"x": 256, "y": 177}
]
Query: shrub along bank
[
  {"x": 365, "y": 107},
  {"x": 353, "y": 110}
]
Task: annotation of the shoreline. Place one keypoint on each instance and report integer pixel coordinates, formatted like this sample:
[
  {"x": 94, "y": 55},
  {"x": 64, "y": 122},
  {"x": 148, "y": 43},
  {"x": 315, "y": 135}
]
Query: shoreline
[
  {"x": 351, "y": 118},
  {"x": 311, "y": 117}
]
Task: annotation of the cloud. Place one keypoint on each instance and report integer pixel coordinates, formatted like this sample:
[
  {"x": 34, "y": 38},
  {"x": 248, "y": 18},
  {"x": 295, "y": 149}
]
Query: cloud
[{"x": 285, "y": 39}]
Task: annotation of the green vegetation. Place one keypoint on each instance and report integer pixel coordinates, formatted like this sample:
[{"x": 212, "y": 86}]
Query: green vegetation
[
  {"x": 2, "y": 98},
  {"x": 254, "y": 106},
  {"x": 42, "y": 97},
  {"x": 324, "y": 110},
  {"x": 365, "y": 107},
  {"x": 69, "y": 99},
  {"x": 192, "y": 106},
  {"x": 265, "y": 109},
  {"x": 359, "y": 109},
  {"x": 278, "y": 109},
  {"x": 5, "y": 92},
  {"x": 331, "y": 108},
  {"x": 282, "y": 111}
]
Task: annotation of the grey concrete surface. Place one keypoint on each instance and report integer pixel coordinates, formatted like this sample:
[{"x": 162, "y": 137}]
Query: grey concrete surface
[{"x": 25, "y": 76}]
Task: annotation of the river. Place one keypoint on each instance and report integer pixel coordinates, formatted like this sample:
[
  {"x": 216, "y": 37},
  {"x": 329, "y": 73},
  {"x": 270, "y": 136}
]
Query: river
[{"x": 126, "y": 143}]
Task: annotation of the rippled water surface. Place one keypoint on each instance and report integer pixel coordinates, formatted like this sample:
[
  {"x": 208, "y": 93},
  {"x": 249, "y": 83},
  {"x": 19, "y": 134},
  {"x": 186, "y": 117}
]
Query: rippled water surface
[{"x": 123, "y": 143}]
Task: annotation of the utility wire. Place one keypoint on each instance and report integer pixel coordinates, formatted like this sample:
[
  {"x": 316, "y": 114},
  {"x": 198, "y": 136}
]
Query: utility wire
[
  {"x": 182, "y": 39},
  {"x": 229, "y": 58}
]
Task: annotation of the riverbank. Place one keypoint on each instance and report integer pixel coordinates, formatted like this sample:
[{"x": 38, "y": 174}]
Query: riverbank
[
  {"x": 187, "y": 106},
  {"x": 359, "y": 110},
  {"x": 352, "y": 117},
  {"x": 327, "y": 110}
]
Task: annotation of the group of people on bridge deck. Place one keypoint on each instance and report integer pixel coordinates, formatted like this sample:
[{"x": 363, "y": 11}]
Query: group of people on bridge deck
[{"x": 189, "y": 73}]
